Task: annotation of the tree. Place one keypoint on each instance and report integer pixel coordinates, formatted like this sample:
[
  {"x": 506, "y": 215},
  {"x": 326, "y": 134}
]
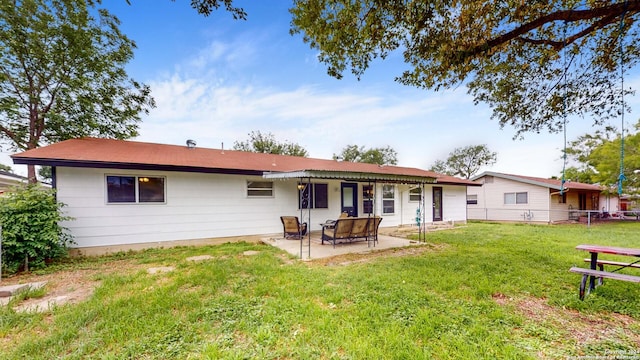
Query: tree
[
  {"x": 62, "y": 75},
  {"x": 530, "y": 61},
  {"x": 466, "y": 161},
  {"x": 579, "y": 174},
  {"x": 45, "y": 173},
  {"x": 598, "y": 156},
  {"x": 380, "y": 156},
  {"x": 6, "y": 168},
  {"x": 267, "y": 144}
]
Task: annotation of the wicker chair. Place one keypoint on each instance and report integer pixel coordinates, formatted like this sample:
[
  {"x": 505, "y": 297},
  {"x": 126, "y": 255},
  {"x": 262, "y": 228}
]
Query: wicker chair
[{"x": 293, "y": 229}]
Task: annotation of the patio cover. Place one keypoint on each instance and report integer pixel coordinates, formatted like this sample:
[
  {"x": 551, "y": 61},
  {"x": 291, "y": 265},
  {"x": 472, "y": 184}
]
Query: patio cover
[
  {"x": 366, "y": 177},
  {"x": 352, "y": 176}
]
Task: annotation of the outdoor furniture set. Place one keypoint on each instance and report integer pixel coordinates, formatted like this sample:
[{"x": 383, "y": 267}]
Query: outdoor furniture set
[
  {"x": 344, "y": 229},
  {"x": 349, "y": 229}
]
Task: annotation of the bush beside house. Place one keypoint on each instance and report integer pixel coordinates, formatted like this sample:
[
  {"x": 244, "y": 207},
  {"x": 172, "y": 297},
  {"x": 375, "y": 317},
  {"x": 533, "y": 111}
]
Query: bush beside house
[{"x": 31, "y": 233}]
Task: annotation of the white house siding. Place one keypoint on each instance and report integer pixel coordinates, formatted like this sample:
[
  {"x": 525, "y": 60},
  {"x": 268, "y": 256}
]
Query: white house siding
[
  {"x": 201, "y": 206},
  {"x": 491, "y": 204},
  {"x": 558, "y": 211},
  {"x": 197, "y": 206},
  {"x": 454, "y": 208},
  {"x": 454, "y": 203},
  {"x": 609, "y": 203}
]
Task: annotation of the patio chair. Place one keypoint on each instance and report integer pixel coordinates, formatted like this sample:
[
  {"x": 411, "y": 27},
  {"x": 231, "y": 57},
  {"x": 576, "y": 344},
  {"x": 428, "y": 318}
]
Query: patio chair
[{"x": 292, "y": 227}]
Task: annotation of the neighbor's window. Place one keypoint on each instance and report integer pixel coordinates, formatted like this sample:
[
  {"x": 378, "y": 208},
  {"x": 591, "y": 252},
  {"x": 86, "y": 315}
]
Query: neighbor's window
[
  {"x": 388, "y": 199},
  {"x": 562, "y": 199},
  {"x": 313, "y": 196},
  {"x": 415, "y": 194},
  {"x": 472, "y": 199},
  {"x": 516, "y": 198},
  {"x": 135, "y": 189},
  {"x": 259, "y": 188}
]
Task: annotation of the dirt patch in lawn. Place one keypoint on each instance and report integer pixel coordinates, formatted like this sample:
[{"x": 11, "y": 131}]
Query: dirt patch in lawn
[
  {"x": 581, "y": 328},
  {"x": 348, "y": 259},
  {"x": 68, "y": 286}
]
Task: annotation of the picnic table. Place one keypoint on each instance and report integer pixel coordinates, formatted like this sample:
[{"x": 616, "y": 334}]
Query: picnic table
[{"x": 597, "y": 271}]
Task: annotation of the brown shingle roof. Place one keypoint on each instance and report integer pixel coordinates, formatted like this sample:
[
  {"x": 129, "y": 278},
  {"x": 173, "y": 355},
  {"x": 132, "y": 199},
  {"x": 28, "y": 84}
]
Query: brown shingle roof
[
  {"x": 93, "y": 152},
  {"x": 550, "y": 183}
]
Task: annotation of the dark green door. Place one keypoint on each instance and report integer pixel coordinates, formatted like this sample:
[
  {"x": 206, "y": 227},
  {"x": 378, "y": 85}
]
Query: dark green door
[{"x": 349, "y": 198}]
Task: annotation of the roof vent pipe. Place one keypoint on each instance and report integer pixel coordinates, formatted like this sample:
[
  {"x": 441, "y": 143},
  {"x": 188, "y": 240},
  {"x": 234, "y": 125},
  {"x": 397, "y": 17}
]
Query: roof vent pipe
[{"x": 191, "y": 144}]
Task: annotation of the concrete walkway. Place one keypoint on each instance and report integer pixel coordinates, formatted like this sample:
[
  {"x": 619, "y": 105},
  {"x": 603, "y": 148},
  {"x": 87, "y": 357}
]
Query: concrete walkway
[
  {"x": 7, "y": 292},
  {"x": 319, "y": 251}
]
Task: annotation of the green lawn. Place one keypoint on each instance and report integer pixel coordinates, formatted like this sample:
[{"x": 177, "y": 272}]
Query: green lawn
[{"x": 483, "y": 291}]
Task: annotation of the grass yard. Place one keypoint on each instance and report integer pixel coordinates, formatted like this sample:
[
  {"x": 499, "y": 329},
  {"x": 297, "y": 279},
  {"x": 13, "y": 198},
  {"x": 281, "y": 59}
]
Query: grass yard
[{"x": 483, "y": 291}]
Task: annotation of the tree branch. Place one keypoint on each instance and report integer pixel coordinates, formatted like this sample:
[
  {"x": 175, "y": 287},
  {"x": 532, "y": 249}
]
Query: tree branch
[{"x": 609, "y": 14}]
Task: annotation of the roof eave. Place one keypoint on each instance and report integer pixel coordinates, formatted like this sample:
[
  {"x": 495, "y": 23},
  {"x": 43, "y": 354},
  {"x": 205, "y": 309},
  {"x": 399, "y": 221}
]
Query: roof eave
[
  {"x": 347, "y": 175},
  {"x": 132, "y": 166}
]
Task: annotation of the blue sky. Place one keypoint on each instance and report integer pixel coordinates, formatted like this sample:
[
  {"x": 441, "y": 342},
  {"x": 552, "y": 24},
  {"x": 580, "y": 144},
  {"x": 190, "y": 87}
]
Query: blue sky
[{"x": 216, "y": 79}]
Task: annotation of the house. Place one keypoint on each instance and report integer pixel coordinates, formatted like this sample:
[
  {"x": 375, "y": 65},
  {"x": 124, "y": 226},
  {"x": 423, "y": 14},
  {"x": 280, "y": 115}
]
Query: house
[
  {"x": 127, "y": 194},
  {"x": 9, "y": 180},
  {"x": 508, "y": 197}
]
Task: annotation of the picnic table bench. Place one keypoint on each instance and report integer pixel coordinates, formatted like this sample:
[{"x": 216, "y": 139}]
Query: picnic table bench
[{"x": 592, "y": 273}]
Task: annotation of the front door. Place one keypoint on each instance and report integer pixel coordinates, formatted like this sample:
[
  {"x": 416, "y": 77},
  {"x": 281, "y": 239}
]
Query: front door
[
  {"x": 349, "y": 198},
  {"x": 437, "y": 204}
]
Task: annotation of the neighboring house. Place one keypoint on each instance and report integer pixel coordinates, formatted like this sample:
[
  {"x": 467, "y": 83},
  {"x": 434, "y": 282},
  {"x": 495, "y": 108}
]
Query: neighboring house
[
  {"x": 524, "y": 198},
  {"x": 9, "y": 180},
  {"x": 125, "y": 193}
]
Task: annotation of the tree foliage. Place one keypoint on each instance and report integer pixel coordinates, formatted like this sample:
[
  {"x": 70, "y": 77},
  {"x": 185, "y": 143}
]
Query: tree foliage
[
  {"x": 31, "y": 233},
  {"x": 466, "y": 161},
  {"x": 530, "y": 61},
  {"x": 45, "y": 173},
  {"x": 598, "y": 157},
  {"x": 6, "y": 168},
  {"x": 206, "y": 7},
  {"x": 62, "y": 74},
  {"x": 267, "y": 144},
  {"x": 381, "y": 156}
]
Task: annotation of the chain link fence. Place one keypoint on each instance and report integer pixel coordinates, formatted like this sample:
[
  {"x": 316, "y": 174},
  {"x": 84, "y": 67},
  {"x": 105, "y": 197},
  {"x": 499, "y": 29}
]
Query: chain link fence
[{"x": 550, "y": 216}]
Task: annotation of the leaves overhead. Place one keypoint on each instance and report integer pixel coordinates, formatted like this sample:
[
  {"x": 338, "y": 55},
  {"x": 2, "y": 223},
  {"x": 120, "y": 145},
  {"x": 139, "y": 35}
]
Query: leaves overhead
[
  {"x": 532, "y": 62},
  {"x": 206, "y": 7},
  {"x": 62, "y": 74}
]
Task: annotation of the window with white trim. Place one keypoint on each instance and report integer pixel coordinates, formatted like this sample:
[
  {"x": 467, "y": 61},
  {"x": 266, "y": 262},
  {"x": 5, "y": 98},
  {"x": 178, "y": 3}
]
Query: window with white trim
[
  {"x": 388, "y": 199},
  {"x": 472, "y": 199},
  {"x": 516, "y": 198},
  {"x": 415, "y": 194},
  {"x": 259, "y": 188},
  {"x": 135, "y": 189}
]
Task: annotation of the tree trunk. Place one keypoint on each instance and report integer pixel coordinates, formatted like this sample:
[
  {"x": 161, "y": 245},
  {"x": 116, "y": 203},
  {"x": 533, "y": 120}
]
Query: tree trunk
[{"x": 31, "y": 174}]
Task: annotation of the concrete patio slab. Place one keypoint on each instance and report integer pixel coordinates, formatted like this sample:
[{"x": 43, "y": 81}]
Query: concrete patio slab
[{"x": 318, "y": 250}]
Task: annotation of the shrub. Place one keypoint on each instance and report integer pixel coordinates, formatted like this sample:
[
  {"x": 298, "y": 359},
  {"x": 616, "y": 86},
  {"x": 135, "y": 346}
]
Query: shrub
[{"x": 31, "y": 231}]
